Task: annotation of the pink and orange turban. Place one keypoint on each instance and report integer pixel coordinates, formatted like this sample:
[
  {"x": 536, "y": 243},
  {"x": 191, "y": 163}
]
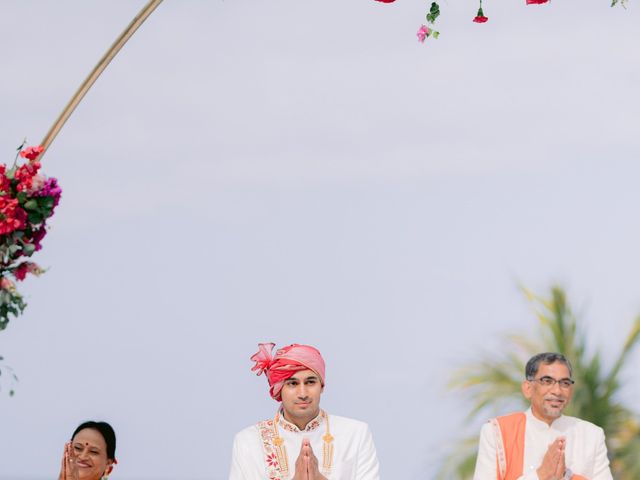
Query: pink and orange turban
[{"x": 285, "y": 363}]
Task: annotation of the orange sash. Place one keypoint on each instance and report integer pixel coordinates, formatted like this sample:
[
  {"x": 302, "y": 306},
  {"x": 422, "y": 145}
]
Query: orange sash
[{"x": 509, "y": 432}]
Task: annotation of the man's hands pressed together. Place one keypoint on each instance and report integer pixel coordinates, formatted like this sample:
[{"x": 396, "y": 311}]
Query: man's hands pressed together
[
  {"x": 553, "y": 466},
  {"x": 307, "y": 464}
]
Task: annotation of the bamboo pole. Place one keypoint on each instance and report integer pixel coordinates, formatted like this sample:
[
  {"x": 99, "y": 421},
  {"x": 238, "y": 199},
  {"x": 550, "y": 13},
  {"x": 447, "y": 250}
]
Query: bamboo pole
[{"x": 95, "y": 73}]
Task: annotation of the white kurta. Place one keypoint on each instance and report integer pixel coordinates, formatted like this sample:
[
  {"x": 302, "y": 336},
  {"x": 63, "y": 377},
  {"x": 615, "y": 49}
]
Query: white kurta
[
  {"x": 354, "y": 456},
  {"x": 585, "y": 452}
]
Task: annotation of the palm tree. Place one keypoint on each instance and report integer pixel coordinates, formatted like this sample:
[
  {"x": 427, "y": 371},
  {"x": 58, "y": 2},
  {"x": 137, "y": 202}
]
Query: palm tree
[{"x": 493, "y": 385}]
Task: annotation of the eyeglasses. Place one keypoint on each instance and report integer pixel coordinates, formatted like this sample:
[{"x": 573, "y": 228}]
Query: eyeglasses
[{"x": 565, "y": 383}]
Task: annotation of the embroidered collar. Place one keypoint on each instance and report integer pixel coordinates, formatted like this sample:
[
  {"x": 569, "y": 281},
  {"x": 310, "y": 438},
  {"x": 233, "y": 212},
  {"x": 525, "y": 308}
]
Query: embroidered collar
[
  {"x": 278, "y": 466},
  {"x": 290, "y": 427}
]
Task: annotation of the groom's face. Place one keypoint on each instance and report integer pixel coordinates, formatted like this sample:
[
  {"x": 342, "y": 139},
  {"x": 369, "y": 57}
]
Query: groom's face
[{"x": 301, "y": 395}]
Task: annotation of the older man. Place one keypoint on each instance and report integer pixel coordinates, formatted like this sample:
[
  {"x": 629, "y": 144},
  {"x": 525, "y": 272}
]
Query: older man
[
  {"x": 302, "y": 442},
  {"x": 542, "y": 443}
]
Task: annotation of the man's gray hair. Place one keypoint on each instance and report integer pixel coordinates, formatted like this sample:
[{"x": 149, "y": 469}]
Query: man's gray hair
[{"x": 531, "y": 370}]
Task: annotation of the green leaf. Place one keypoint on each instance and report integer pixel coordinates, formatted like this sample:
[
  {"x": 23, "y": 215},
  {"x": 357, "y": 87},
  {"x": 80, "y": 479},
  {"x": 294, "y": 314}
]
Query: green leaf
[
  {"x": 436, "y": 34},
  {"x": 434, "y": 12},
  {"x": 35, "y": 217},
  {"x": 29, "y": 248},
  {"x": 31, "y": 204},
  {"x": 46, "y": 202}
]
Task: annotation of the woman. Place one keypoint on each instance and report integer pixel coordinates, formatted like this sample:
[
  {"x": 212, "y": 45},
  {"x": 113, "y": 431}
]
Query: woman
[{"x": 91, "y": 453}]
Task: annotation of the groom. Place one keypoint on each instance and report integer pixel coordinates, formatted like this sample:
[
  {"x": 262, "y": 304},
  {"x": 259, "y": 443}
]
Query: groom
[{"x": 302, "y": 441}]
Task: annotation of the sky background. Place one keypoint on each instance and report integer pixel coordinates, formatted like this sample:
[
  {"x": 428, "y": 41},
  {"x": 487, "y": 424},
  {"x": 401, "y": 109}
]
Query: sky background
[{"x": 308, "y": 172}]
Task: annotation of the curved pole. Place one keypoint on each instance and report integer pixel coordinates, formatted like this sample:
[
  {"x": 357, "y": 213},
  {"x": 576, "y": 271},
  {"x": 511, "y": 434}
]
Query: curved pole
[{"x": 95, "y": 73}]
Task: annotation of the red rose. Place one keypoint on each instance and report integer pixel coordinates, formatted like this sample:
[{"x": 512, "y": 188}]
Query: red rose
[
  {"x": 385, "y": 1},
  {"x": 32, "y": 152},
  {"x": 536, "y": 2},
  {"x": 5, "y": 183},
  {"x": 25, "y": 174},
  {"x": 480, "y": 18},
  {"x": 12, "y": 217}
]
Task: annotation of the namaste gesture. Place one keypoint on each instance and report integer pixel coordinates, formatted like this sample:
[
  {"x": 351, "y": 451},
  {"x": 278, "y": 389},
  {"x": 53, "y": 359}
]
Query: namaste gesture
[
  {"x": 307, "y": 464},
  {"x": 553, "y": 466},
  {"x": 68, "y": 469}
]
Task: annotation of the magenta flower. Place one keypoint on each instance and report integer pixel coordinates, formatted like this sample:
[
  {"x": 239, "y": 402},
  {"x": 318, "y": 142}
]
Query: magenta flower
[
  {"x": 50, "y": 188},
  {"x": 422, "y": 33}
]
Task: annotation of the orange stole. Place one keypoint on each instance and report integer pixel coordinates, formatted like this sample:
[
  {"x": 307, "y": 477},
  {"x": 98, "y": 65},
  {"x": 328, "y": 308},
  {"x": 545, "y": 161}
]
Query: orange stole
[{"x": 510, "y": 446}]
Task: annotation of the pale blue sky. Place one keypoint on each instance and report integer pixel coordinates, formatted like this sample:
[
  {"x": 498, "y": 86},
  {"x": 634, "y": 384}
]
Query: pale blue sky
[{"x": 308, "y": 172}]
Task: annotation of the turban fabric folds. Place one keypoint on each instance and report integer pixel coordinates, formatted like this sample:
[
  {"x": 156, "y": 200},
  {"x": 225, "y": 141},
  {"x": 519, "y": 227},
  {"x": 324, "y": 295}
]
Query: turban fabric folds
[{"x": 285, "y": 363}]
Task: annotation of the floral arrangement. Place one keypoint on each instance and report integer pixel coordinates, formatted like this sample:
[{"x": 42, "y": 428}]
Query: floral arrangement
[
  {"x": 426, "y": 30},
  {"x": 27, "y": 200}
]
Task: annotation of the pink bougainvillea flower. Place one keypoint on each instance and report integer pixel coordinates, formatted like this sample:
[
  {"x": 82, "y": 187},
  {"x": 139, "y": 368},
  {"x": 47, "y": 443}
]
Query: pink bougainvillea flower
[
  {"x": 6, "y": 284},
  {"x": 32, "y": 153},
  {"x": 536, "y": 2},
  {"x": 21, "y": 270},
  {"x": 37, "y": 237},
  {"x": 423, "y": 33},
  {"x": 49, "y": 188}
]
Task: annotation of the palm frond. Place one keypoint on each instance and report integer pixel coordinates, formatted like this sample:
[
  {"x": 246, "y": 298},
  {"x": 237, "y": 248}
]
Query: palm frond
[{"x": 492, "y": 384}]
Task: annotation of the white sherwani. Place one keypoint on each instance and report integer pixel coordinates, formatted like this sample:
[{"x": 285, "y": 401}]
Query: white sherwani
[
  {"x": 354, "y": 455},
  {"x": 585, "y": 452}
]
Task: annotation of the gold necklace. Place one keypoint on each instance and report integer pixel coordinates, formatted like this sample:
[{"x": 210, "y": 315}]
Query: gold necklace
[{"x": 281, "y": 449}]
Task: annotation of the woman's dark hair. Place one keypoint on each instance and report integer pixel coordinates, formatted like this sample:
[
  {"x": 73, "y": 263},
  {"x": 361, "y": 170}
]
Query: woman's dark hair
[{"x": 107, "y": 433}]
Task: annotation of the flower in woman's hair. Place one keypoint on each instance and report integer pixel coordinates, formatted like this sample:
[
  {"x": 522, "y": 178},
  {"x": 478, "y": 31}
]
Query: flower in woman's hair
[
  {"x": 480, "y": 18},
  {"x": 536, "y": 2},
  {"x": 32, "y": 153},
  {"x": 12, "y": 216},
  {"x": 422, "y": 33}
]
